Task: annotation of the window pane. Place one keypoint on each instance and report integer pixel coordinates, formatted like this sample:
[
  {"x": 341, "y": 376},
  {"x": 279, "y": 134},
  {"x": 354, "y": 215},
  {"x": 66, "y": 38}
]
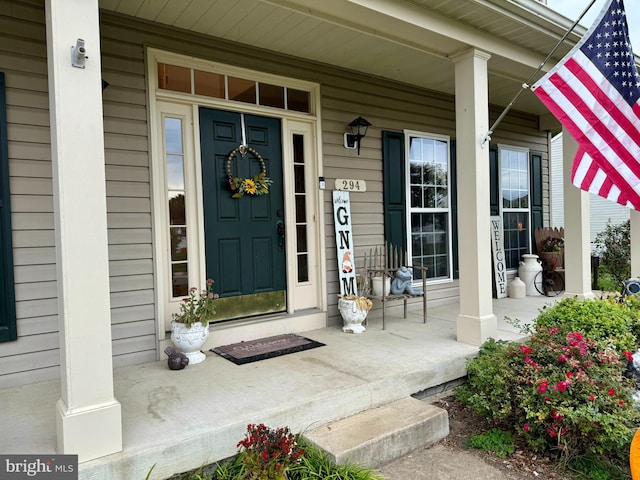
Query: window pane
[
  {"x": 176, "y": 209},
  {"x": 242, "y": 90},
  {"x": 178, "y": 243},
  {"x": 271, "y": 95},
  {"x": 298, "y": 149},
  {"x": 303, "y": 268},
  {"x": 173, "y": 135},
  {"x": 298, "y": 100},
  {"x": 209, "y": 84},
  {"x": 301, "y": 212},
  {"x": 516, "y": 237},
  {"x": 175, "y": 172},
  {"x": 430, "y": 243},
  {"x": 174, "y": 78},
  {"x": 179, "y": 279},
  {"x": 298, "y": 172},
  {"x": 301, "y": 232}
]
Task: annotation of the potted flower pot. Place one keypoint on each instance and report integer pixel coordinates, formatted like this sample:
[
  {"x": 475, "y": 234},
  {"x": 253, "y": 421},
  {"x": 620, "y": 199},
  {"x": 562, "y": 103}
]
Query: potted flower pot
[
  {"x": 190, "y": 326},
  {"x": 354, "y": 312}
]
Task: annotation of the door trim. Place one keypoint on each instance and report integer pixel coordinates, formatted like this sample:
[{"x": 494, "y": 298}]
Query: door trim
[{"x": 292, "y": 122}]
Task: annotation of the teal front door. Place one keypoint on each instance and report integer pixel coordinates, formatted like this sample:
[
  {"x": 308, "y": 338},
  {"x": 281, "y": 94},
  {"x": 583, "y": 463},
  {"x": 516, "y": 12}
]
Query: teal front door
[{"x": 244, "y": 236}]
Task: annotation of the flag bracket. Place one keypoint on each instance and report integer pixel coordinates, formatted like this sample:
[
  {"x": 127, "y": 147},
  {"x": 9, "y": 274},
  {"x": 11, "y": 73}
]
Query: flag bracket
[{"x": 525, "y": 86}]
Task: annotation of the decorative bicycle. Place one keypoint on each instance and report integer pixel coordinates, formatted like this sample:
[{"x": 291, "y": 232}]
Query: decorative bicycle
[{"x": 549, "y": 282}]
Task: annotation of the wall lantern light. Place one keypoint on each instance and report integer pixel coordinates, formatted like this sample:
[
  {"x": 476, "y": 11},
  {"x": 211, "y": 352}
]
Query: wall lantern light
[{"x": 358, "y": 130}]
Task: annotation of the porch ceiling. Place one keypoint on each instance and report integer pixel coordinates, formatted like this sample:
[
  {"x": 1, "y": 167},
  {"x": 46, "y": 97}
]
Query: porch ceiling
[{"x": 409, "y": 41}]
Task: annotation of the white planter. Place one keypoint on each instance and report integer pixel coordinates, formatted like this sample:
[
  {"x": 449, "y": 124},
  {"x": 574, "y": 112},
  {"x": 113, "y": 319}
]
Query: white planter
[
  {"x": 527, "y": 271},
  {"x": 376, "y": 286},
  {"x": 352, "y": 316},
  {"x": 189, "y": 340}
]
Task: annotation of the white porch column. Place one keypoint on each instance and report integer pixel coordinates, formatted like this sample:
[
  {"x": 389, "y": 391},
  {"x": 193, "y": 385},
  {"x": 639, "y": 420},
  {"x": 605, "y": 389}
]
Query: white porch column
[
  {"x": 88, "y": 416},
  {"x": 476, "y": 322},
  {"x": 634, "y": 236},
  {"x": 577, "y": 251}
]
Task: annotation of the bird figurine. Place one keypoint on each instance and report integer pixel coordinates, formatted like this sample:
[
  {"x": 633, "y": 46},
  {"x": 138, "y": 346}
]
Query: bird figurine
[{"x": 177, "y": 360}]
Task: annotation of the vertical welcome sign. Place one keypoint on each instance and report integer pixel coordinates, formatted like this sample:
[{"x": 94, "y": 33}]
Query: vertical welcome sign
[
  {"x": 344, "y": 242},
  {"x": 499, "y": 266}
]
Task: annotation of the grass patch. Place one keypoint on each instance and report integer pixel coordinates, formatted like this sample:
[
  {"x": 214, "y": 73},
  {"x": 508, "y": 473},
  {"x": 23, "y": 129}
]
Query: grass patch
[{"x": 495, "y": 441}]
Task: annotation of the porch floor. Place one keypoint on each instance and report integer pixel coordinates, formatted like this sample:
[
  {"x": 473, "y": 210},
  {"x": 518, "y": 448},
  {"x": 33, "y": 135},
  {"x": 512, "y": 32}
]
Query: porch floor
[{"x": 180, "y": 420}]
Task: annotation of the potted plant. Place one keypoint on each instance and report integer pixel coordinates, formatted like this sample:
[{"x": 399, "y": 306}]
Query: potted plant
[
  {"x": 190, "y": 326},
  {"x": 354, "y": 308},
  {"x": 553, "y": 252},
  {"x": 267, "y": 453}
]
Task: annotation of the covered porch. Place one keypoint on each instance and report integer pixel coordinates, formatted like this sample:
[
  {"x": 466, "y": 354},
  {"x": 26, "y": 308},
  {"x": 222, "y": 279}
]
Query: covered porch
[{"x": 179, "y": 420}]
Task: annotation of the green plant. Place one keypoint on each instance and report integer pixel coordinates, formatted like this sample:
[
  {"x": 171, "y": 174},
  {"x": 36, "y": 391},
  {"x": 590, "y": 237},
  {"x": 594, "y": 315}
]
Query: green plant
[
  {"x": 197, "y": 307},
  {"x": 496, "y": 441},
  {"x": 552, "y": 244},
  {"x": 607, "y": 320},
  {"x": 268, "y": 453},
  {"x": 317, "y": 465},
  {"x": 613, "y": 246},
  {"x": 561, "y": 392},
  {"x": 594, "y": 467}
]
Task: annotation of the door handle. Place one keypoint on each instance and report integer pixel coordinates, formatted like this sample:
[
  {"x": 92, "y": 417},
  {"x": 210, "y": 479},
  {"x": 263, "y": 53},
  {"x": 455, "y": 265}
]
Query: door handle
[{"x": 280, "y": 232}]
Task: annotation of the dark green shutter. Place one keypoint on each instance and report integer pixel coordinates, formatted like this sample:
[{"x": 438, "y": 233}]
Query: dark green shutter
[
  {"x": 394, "y": 188},
  {"x": 494, "y": 181},
  {"x": 8, "y": 330},
  {"x": 535, "y": 161},
  {"x": 453, "y": 181}
]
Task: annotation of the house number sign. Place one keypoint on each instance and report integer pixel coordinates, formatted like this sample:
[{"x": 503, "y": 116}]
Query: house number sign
[{"x": 351, "y": 185}]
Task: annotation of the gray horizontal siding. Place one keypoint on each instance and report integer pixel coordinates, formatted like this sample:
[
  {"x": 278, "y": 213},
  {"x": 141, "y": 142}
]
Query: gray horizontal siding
[{"x": 35, "y": 355}]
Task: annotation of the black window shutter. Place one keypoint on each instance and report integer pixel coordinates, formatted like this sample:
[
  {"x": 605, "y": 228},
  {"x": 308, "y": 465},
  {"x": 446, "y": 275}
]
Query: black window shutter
[
  {"x": 8, "y": 330},
  {"x": 394, "y": 188},
  {"x": 494, "y": 181},
  {"x": 535, "y": 161},
  {"x": 453, "y": 182}
]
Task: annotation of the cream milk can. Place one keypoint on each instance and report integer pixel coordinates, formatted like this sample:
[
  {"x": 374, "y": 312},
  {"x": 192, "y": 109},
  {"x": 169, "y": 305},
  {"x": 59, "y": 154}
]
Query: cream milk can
[{"x": 527, "y": 272}]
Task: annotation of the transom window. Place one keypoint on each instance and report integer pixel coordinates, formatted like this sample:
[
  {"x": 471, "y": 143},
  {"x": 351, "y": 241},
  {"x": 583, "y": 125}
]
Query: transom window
[
  {"x": 429, "y": 204},
  {"x": 514, "y": 188},
  {"x": 229, "y": 87}
]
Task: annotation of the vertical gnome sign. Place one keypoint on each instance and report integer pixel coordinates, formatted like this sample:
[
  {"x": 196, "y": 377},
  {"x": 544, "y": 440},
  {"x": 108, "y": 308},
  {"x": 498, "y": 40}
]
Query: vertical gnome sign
[{"x": 344, "y": 244}]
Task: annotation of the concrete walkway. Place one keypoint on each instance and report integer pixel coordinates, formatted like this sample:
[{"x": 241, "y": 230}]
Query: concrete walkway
[{"x": 180, "y": 420}]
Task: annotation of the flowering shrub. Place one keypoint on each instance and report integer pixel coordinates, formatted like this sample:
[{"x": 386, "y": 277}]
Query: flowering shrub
[
  {"x": 197, "y": 307},
  {"x": 552, "y": 244},
  {"x": 613, "y": 246},
  {"x": 558, "y": 391},
  {"x": 606, "y": 320},
  {"x": 267, "y": 453}
]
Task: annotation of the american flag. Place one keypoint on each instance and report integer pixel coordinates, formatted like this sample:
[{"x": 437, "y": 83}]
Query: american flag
[{"x": 595, "y": 93}]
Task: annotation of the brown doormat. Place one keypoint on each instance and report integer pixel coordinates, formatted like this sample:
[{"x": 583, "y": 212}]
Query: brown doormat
[{"x": 254, "y": 350}]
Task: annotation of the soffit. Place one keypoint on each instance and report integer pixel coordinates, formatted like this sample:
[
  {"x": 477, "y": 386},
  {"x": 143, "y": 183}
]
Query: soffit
[{"x": 406, "y": 41}]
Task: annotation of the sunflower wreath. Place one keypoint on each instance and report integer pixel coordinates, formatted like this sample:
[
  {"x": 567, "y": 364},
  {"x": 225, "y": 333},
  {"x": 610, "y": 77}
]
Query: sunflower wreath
[{"x": 258, "y": 185}]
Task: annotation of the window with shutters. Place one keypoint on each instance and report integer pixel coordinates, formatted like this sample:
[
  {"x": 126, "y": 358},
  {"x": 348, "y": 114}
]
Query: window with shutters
[
  {"x": 429, "y": 203},
  {"x": 8, "y": 330},
  {"x": 515, "y": 202}
]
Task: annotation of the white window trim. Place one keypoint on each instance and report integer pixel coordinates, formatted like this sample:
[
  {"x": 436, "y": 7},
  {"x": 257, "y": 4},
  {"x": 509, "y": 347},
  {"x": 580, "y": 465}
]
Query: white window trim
[
  {"x": 502, "y": 146},
  {"x": 292, "y": 122},
  {"x": 408, "y": 210}
]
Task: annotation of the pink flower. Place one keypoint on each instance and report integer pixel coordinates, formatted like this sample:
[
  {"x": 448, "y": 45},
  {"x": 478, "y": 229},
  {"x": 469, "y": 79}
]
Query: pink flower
[
  {"x": 560, "y": 386},
  {"x": 552, "y": 433},
  {"x": 562, "y": 358},
  {"x": 543, "y": 387},
  {"x": 553, "y": 331},
  {"x": 621, "y": 402},
  {"x": 611, "y": 392},
  {"x": 592, "y": 398},
  {"x": 526, "y": 427},
  {"x": 526, "y": 350},
  {"x": 629, "y": 356}
]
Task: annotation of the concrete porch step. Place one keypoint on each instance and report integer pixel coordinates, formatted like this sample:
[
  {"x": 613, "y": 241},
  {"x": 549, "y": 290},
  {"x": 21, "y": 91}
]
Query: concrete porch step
[{"x": 378, "y": 436}]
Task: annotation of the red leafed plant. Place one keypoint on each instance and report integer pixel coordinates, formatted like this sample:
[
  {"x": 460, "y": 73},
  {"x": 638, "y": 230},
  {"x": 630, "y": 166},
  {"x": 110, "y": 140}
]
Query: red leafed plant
[{"x": 267, "y": 453}]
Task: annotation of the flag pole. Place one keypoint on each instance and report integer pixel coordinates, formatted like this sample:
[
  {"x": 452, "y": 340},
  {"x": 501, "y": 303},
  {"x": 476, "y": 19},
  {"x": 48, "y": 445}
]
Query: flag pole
[{"x": 526, "y": 85}]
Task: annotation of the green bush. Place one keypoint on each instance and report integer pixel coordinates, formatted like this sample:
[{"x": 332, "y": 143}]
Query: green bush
[
  {"x": 613, "y": 246},
  {"x": 606, "y": 320},
  {"x": 559, "y": 391}
]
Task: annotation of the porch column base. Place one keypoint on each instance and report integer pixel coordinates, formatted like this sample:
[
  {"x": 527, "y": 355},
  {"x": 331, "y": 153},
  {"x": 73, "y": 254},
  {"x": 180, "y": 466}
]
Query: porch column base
[
  {"x": 89, "y": 432},
  {"x": 476, "y": 330},
  {"x": 580, "y": 296}
]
